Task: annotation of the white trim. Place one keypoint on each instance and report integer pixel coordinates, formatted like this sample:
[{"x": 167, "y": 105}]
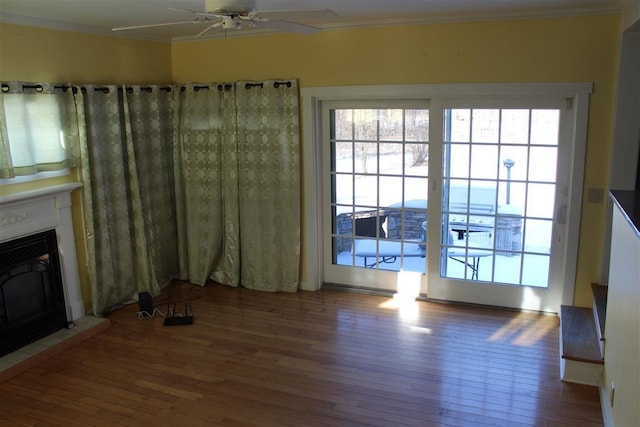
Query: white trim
[
  {"x": 313, "y": 98},
  {"x": 605, "y": 404},
  {"x": 35, "y": 177},
  {"x": 312, "y": 227},
  {"x": 581, "y": 111},
  {"x": 32, "y": 211},
  {"x": 454, "y": 90}
]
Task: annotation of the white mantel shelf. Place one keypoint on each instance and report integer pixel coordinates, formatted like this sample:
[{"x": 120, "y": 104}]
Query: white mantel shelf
[
  {"x": 33, "y": 211},
  {"x": 40, "y": 192}
]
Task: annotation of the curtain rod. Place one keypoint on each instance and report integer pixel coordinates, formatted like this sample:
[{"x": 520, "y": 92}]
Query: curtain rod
[
  {"x": 276, "y": 84},
  {"x": 226, "y": 86},
  {"x": 39, "y": 88},
  {"x": 148, "y": 89},
  {"x": 129, "y": 89}
]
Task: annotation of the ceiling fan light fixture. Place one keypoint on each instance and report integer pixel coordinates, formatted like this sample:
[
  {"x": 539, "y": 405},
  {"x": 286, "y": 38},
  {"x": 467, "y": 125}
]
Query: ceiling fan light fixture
[
  {"x": 231, "y": 23},
  {"x": 229, "y": 14},
  {"x": 229, "y": 6}
]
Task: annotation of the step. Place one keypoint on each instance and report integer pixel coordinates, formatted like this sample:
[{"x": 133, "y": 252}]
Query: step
[
  {"x": 579, "y": 335},
  {"x": 581, "y": 360}
]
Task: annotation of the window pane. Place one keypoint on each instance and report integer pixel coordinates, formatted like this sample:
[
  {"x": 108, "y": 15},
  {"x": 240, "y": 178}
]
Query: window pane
[
  {"x": 540, "y": 200},
  {"x": 391, "y": 125},
  {"x": 542, "y": 164},
  {"x": 511, "y": 197},
  {"x": 535, "y": 270},
  {"x": 390, "y": 159},
  {"x": 366, "y": 190},
  {"x": 514, "y": 128},
  {"x": 343, "y": 124},
  {"x": 366, "y": 125},
  {"x": 416, "y": 159},
  {"x": 509, "y": 269},
  {"x": 459, "y": 161},
  {"x": 459, "y": 125},
  {"x": 416, "y": 125},
  {"x": 486, "y": 125},
  {"x": 343, "y": 193},
  {"x": 390, "y": 190},
  {"x": 343, "y": 157},
  {"x": 416, "y": 189},
  {"x": 366, "y": 157},
  {"x": 538, "y": 235},
  {"x": 513, "y": 162},
  {"x": 484, "y": 161},
  {"x": 33, "y": 129},
  {"x": 545, "y": 127}
]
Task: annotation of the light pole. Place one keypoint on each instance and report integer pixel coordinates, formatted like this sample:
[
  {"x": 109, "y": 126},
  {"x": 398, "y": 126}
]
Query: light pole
[{"x": 508, "y": 163}]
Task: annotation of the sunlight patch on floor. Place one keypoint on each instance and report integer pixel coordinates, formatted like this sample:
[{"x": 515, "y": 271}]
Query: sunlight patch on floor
[
  {"x": 404, "y": 300},
  {"x": 523, "y": 330}
]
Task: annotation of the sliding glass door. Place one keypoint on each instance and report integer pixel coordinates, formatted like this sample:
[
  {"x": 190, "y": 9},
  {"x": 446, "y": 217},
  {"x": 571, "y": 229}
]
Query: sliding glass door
[
  {"x": 471, "y": 197},
  {"x": 503, "y": 195},
  {"x": 376, "y": 194}
]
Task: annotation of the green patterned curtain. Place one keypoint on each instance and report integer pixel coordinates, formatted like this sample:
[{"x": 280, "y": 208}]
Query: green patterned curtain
[
  {"x": 269, "y": 183},
  {"x": 238, "y": 184},
  {"x": 206, "y": 184},
  {"x": 38, "y": 128},
  {"x": 127, "y": 169}
]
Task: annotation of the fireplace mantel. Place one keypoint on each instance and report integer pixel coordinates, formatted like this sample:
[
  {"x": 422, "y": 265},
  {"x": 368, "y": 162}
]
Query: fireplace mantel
[{"x": 33, "y": 211}]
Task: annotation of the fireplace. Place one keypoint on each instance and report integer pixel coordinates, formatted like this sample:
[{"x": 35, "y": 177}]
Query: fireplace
[
  {"x": 39, "y": 281},
  {"x": 31, "y": 293}
]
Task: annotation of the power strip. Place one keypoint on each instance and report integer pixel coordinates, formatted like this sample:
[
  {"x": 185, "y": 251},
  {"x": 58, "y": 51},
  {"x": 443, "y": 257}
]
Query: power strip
[{"x": 178, "y": 320}]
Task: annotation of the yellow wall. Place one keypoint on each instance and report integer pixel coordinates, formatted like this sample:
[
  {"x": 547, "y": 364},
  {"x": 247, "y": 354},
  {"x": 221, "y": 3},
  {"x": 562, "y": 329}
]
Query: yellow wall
[
  {"x": 39, "y": 55},
  {"x": 546, "y": 50},
  {"x": 31, "y": 54}
]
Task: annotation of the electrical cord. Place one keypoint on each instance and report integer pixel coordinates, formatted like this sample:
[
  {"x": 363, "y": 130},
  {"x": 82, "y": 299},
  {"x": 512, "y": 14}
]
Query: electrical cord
[
  {"x": 142, "y": 314},
  {"x": 171, "y": 304},
  {"x": 193, "y": 289}
]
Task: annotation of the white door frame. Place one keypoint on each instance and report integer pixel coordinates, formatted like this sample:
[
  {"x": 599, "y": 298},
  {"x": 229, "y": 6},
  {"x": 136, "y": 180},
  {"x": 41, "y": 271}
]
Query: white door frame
[{"x": 312, "y": 99}]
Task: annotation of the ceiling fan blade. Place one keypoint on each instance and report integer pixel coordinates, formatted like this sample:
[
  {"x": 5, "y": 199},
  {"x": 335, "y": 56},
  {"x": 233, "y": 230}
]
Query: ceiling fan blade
[
  {"x": 133, "y": 27},
  {"x": 210, "y": 14},
  {"x": 289, "y": 27},
  {"x": 182, "y": 10},
  {"x": 217, "y": 24}
]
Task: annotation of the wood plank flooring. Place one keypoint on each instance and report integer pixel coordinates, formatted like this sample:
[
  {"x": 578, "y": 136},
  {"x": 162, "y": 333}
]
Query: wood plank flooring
[{"x": 326, "y": 358}]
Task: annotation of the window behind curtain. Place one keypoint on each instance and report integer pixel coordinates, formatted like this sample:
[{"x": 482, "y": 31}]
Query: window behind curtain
[
  {"x": 34, "y": 130},
  {"x": 39, "y": 129}
]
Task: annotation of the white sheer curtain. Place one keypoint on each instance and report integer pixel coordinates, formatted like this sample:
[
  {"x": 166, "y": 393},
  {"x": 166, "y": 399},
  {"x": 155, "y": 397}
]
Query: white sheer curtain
[{"x": 38, "y": 128}]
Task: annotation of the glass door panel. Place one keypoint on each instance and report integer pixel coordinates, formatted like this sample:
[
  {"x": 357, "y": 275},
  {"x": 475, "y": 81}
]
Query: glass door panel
[
  {"x": 379, "y": 185},
  {"x": 499, "y": 194},
  {"x": 502, "y": 235}
]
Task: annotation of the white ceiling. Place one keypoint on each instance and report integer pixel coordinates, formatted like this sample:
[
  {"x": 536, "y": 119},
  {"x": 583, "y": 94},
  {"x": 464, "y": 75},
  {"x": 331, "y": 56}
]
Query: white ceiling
[{"x": 100, "y": 16}]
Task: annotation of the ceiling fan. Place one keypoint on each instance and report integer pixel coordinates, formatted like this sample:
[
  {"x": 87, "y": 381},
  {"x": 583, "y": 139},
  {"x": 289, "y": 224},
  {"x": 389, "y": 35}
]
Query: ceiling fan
[{"x": 236, "y": 14}]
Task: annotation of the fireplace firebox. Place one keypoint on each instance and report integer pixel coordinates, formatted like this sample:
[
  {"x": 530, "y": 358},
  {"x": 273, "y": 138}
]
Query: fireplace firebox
[{"x": 32, "y": 302}]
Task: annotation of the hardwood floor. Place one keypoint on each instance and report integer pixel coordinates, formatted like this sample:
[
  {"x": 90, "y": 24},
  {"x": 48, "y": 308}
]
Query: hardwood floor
[{"x": 326, "y": 358}]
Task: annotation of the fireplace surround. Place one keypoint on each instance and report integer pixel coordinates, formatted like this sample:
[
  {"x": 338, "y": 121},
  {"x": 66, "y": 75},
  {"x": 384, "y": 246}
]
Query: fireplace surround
[
  {"x": 42, "y": 215},
  {"x": 31, "y": 295}
]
